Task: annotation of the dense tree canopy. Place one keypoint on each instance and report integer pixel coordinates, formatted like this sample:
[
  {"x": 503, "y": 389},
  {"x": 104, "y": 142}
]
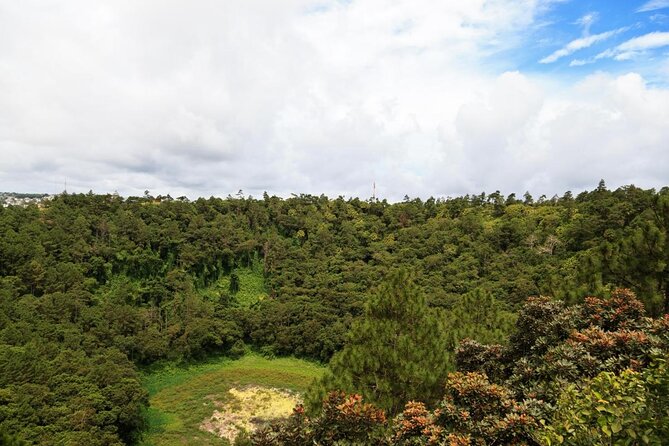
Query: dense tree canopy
[
  {"x": 591, "y": 374},
  {"x": 396, "y": 352},
  {"x": 94, "y": 286}
]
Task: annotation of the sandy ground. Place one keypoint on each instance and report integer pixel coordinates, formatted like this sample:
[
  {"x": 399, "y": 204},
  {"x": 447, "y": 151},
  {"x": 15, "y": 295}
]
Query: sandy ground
[{"x": 249, "y": 408}]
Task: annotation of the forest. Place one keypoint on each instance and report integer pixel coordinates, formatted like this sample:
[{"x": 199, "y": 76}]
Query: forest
[{"x": 476, "y": 320}]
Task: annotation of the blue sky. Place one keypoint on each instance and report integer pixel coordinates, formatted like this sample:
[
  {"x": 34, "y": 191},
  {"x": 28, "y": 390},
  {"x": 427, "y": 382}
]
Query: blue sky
[
  {"x": 421, "y": 97},
  {"x": 609, "y": 24}
]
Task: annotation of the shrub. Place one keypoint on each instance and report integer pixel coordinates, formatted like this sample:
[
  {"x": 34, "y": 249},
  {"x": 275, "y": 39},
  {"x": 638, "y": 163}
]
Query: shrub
[{"x": 609, "y": 409}]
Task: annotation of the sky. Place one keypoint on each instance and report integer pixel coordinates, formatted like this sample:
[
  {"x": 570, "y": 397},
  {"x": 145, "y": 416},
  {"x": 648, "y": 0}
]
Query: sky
[{"x": 419, "y": 97}]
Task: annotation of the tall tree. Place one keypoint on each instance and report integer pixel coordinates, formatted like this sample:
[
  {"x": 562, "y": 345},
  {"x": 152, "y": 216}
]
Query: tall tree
[
  {"x": 396, "y": 352},
  {"x": 641, "y": 259}
]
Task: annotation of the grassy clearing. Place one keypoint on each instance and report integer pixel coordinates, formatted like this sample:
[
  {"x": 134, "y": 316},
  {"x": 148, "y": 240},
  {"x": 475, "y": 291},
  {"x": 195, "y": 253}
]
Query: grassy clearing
[
  {"x": 251, "y": 286},
  {"x": 182, "y": 398}
]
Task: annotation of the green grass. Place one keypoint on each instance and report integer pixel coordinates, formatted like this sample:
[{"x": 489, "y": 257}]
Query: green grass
[
  {"x": 251, "y": 286},
  {"x": 181, "y": 397}
]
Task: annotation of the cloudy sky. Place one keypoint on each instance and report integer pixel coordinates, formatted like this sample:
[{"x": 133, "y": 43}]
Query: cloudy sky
[{"x": 423, "y": 97}]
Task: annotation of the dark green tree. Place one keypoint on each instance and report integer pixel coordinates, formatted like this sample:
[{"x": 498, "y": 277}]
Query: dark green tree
[
  {"x": 478, "y": 316},
  {"x": 396, "y": 352},
  {"x": 641, "y": 259},
  {"x": 234, "y": 283}
]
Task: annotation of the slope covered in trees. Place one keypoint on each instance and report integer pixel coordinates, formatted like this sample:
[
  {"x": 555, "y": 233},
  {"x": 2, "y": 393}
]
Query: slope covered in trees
[
  {"x": 588, "y": 374},
  {"x": 93, "y": 286}
]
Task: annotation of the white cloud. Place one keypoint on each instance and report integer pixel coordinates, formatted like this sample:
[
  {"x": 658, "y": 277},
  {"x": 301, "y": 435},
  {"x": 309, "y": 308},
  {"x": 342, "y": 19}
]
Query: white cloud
[
  {"x": 659, "y": 18},
  {"x": 636, "y": 46},
  {"x": 653, "y": 5},
  {"x": 587, "y": 21},
  {"x": 206, "y": 97},
  {"x": 541, "y": 138},
  {"x": 579, "y": 44}
]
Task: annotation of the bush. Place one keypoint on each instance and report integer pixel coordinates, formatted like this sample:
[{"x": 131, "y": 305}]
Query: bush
[
  {"x": 623, "y": 409},
  {"x": 345, "y": 420},
  {"x": 237, "y": 350}
]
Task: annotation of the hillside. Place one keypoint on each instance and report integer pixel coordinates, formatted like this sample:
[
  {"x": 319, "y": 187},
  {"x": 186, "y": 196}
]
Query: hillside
[{"x": 94, "y": 288}]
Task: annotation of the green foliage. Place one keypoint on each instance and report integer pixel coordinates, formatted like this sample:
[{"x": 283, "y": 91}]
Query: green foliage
[
  {"x": 590, "y": 361},
  {"x": 294, "y": 431},
  {"x": 478, "y": 316},
  {"x": 484, "y": 412},
  {"x": 553, "y": 345},
  {"x": 237, "y": 350},
  {"x": 640, "y": 258},
  {"x": 247, "y": 290},
  {"x": 147, "y": 279},
  {"x": 183, "y": 396},
  {"x": 626, "y": 409},
  {"x": 234, "y": 283},
  {"x": 345, "y": 420},
  {"x": 10, "y": 440},
  {"x": 97, "y": 400},
  {"x": 416, "y": 426},
  {"x": 396, "y": 352},
  {"x": 473, "y": 412}
]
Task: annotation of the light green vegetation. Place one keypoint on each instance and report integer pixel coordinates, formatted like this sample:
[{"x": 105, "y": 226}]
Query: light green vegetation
[
  {"x": 182, "y": 398},
  {"x": 248, "y": 409},
  {"x": 251, "y": 286}
]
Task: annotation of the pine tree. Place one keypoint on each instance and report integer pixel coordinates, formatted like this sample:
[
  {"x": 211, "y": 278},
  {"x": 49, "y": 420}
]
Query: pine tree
[
  {"x": 396, "y": 352},
  {"x": 477, "y": 315},
  {"x": 641, "y": 259}
]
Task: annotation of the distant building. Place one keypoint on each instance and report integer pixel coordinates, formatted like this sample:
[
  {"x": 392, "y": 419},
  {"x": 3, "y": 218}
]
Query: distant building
[{"x": 15, "y": 199}]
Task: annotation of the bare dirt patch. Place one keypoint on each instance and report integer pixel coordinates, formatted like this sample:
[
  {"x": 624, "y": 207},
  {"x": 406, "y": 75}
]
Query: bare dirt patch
[{"x": 249, "y": 408}]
